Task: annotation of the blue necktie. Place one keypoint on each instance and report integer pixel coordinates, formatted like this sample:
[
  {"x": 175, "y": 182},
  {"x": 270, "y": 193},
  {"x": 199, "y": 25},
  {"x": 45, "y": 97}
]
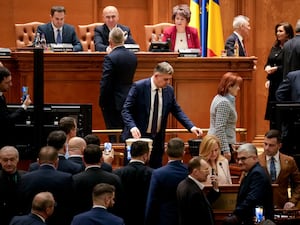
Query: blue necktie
[
  {"x": 58, "y": 38},
  {"x": 155, "y": 114},
  {"x": 272, "y": 169}
]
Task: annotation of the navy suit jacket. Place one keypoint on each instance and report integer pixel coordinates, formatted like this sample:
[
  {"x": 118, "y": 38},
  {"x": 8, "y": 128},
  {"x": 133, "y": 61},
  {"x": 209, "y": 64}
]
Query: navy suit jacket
[
  {"x": 118, "y": 71},
  {"x": 97, "y": 216},
  {"x": 101, "y": 34},
  {"x": 84, "y": 183},
  {"x": 136, "y": 109},
  {"x": 64, "y": 165},
  {"x": 30, "y": 219},
  {"x": 255, "y": 190},
  {"x": 192, "y": 200},
  {"x": 291, "y": 55},
  {"x": 68, "y": 35},
  {"x": 229, "y": 45},
  {"x": 7, "y": 121},
  {"x": 289, "y": 89},
  {"x": 47, "y": 178},
  {"x": 161, "y": 207},
  {"x": 135, "y": 178}
]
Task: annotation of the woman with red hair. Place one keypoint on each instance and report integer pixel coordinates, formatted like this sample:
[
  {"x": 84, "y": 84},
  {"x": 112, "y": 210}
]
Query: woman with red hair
[{"x": 223, "y": 115}]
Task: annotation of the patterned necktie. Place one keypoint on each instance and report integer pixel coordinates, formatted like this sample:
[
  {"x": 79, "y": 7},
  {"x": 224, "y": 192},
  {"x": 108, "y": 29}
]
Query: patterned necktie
[
  {"x": 272, "y": 169},
  {"x": 58, "y": 38},
  {"x": 155, "y": 114}
]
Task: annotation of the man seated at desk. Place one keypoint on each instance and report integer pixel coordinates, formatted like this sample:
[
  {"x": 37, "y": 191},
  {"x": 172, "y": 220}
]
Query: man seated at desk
[
  {"x": 111, "y": 18},
  {"x": 57, "y": 31}
]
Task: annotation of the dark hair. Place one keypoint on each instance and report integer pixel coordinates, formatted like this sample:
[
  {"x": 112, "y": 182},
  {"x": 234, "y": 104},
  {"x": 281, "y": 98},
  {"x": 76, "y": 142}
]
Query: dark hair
[
  {"x": 66, "y": 124},
  {"x": 228, "y": 80},
  {"x": 57, "y": 9},
  {"x": 274, "y": 134},
  {"x": 92, "y": 154},
  {"x": 175, "y": 148},
  {"x": 57, "y": 139},
  {"x": 139, "y": 148},
  {"x": 288, "y": 28},
  {"x": 182, "y": 10},
  {"x": 103, "y": 188},
  {"x": 4, "y": 72},
  {"x": 92, "y": 139},
  {"x": 194, "y": 163}
]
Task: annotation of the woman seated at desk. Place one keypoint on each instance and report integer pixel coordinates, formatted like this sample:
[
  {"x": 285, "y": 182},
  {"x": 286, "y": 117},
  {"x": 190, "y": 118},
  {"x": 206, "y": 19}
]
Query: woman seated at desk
[
  {"x": 210, "y": 150},
  {"x": 181, "y": 36}
]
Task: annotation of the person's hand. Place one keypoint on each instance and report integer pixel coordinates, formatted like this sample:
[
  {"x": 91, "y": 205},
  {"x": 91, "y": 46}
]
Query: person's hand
[
  {"x": 27, "y": 101},
  {"x": 214, "y": 182},
  {"x": 197, "y": 131},
  {"x": 288, "y": 205},
  {"x": 231, "y": 220},
  {"x": 270, "y": 69},
  {"x": 135, "y": 132},
  {"x": 267, "y": 84},
  {"x": 108, "y": 157},
  {"x": 227, "y": 155}
]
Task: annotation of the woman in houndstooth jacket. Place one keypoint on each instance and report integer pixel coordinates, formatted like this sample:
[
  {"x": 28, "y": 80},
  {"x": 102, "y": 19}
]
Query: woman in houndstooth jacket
[{"x": 223, "y": 115}]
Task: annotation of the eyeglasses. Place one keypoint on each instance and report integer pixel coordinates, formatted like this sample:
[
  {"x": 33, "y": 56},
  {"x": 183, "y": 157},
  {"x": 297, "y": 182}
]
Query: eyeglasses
[{"x": 243, "y": 158}]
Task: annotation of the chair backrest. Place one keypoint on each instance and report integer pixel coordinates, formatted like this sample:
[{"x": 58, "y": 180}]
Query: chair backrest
[
  {"x": 86, "y": 36},
  {"x": 155, "y": 31},
  {"x": 25, "y": 33}
]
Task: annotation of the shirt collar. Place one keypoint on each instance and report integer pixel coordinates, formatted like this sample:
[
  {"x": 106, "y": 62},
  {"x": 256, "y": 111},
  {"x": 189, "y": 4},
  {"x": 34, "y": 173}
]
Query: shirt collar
[
  {"x": 201, "y": 186},
  {"x": 276, "y": 157},
  {"x": 239, "y": 36},
  {"x": 153, "y": 86},
  {"x": 99, "y": 206},
  {"x": 55, "y": 28},
  {"x": 137, "y": 160},
  {"x": 92, "y": 166}
]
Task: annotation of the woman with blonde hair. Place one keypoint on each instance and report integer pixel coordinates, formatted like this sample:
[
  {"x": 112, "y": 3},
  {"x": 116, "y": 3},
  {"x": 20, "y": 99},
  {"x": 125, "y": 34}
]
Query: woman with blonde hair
[{"x": 218, "y": 164}]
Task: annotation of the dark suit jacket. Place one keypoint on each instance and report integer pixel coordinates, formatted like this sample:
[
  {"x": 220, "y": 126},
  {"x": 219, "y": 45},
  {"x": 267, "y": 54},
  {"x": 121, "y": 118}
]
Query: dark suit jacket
[
  {"x": 288, "y": 175},
  {"x": 161, "y": 207},
  {"x": 118, "y": 71},
  {"x": 64, "y": 165},
  {"x": 291, "y": 55},
  {"x": 191, "y": 37},
  {"x": 84, "y": 183},
  {"x": 30, "y": 219},
  {"x": 78, "y": 160},
  {"x": 191, "y": 201},
  {"x": 101, "y": 37},
  {"x": 136, "y": 108},
  {"x": 7, "y": 121},
  {"x": 289, "y": 89},
  {"x": 229, "y": 45},
  {"x": 135, "y": 178},
  {"x": 97, "y": 216},
  {"x": 255, "y": 190},
  {"x": 47, "y": 178},
  {"x": 8, "y": 195},
  {"x": 68, "y": 35}
]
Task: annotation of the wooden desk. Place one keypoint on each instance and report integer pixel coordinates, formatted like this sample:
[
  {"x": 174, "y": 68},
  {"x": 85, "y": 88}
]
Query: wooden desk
[{"x": 74, "y": 78}]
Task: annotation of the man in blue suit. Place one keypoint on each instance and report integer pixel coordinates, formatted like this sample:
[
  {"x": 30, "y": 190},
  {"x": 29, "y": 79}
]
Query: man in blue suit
[
  {"x": 42, "y": 207},
  {"x": 118, "y": 71},
  {"x": 255, "y": 189},
  {"x": 139, "y": 111},
  {"x": 161, "y": 206},
  {"x": 103, "y": 198},
  {"x": 241, "y": 28},
  {"x": 57, "y": 31},
  {"x": 111, "y": 18}
]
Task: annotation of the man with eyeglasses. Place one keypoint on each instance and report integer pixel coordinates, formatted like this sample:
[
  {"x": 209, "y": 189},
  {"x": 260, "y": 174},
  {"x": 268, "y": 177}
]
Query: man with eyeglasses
[
  {"x": 146, "y": 109},
  {"x": 255, "y": 189}
]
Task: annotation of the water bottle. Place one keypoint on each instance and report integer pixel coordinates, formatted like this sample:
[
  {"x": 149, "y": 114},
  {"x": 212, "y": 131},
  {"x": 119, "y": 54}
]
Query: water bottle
[
  {"x": 43, "y": 42},
  {"x": 37, "y": 42}
]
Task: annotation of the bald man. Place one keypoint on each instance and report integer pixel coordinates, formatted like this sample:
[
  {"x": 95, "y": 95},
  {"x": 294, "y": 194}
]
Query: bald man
[
  {"x": 9, "y": 180},
  {"x": 76, "y": 147},
  {"x": 110, "y": 18},
  {"x": 42, "y": 207}
]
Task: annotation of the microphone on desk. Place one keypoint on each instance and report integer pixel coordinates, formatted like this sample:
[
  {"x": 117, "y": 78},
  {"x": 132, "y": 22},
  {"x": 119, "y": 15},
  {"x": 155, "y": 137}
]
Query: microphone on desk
[{"x": 226, "y": 175}]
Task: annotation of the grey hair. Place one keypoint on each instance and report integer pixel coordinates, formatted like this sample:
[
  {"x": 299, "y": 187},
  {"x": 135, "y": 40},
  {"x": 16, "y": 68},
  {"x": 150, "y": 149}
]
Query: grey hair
[
  {"x": 249, "y": 148},
  {"x": 116, "y": 35},
  {"x": 164, "y": 68},
  {"x": 239, "y": 20}
]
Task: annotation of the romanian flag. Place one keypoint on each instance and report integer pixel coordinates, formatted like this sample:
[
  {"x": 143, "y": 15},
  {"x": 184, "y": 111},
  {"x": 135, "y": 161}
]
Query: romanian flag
[
  {"x": 195, "y": 15},
  {"x": 215, "y": 39}
]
